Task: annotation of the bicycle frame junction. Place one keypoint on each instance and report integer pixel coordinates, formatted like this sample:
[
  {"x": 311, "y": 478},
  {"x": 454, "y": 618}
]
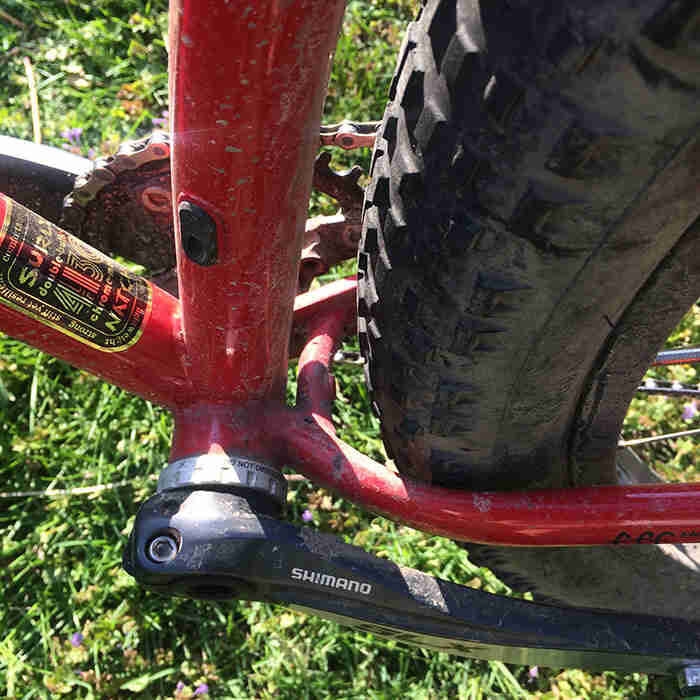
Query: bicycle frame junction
[{"x": 247, "y": 84}]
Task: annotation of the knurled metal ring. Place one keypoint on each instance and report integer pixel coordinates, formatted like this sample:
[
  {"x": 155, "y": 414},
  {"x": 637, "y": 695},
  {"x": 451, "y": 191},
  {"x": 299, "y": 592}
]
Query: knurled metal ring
[{"x": 224, "y": 469}]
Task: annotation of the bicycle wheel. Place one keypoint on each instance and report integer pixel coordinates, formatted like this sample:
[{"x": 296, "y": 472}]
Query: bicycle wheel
[
  {"x": 38, "y": 177},
  {"x": 530, "y": 238}
]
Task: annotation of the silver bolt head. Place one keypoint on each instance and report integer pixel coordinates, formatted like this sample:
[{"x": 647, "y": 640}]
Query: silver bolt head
[
  {"x": 689, "y": 680},
  {"x": 162, "y": 549}
]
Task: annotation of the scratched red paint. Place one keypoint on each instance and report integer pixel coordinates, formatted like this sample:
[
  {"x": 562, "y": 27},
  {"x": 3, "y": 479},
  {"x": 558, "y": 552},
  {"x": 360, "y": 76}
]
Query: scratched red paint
[{"x": 247, "y": 86}]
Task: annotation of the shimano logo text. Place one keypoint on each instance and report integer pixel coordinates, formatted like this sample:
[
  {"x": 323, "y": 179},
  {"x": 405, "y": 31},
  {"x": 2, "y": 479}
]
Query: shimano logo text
[{"x": 345, "y": 584}]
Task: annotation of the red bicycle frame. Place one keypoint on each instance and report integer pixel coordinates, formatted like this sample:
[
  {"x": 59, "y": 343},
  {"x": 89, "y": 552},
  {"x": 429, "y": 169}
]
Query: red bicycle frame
[{"x": 247, "y": 88}]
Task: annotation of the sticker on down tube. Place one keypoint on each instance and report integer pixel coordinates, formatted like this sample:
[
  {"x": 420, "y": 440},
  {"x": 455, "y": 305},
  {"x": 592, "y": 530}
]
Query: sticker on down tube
[{"x": 63, "y": 283}]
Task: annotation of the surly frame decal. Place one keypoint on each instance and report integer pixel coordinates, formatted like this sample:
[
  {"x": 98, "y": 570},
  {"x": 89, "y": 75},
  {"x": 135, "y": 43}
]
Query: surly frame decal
[{"x": 63, "y": 283}]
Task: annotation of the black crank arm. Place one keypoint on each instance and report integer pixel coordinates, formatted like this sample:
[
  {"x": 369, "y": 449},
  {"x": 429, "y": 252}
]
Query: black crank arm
[{"x": 217, "y": 544}]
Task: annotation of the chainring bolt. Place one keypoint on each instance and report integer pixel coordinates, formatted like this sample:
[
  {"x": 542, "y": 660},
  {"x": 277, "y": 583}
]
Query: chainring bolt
[{"x": 162, "y": 549}]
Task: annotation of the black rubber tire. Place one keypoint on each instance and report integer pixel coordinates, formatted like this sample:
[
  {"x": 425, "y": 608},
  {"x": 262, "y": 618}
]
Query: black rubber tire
[
  {"x": 530, "y": 239},
  {"x": 38, "y": 177}
]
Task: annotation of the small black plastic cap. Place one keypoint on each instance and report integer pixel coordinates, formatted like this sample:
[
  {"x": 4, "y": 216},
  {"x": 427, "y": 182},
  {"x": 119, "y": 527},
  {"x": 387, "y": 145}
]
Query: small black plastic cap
[{"x": 198, "y": 234}]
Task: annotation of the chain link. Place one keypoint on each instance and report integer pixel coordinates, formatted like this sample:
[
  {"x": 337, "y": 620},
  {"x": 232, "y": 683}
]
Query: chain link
[
  {"x": 130, "y": 156},
  {"x": 135, "y": 154},
  {"x": 349, "y": 135}
]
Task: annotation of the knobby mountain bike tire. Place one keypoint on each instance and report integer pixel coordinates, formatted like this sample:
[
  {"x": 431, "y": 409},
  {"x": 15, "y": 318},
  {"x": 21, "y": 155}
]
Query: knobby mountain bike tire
[{"x": 530, "y": 238}]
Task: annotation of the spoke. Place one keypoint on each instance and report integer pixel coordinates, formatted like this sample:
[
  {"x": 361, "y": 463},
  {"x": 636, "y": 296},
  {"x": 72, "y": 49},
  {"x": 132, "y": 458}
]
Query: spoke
[
  {"x": 657, "y": 438},
  {"x": 662, "y": 388}
]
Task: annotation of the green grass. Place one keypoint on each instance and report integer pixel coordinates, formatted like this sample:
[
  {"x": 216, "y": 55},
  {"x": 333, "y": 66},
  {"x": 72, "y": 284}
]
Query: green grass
[{"x": 101, "y": 66}]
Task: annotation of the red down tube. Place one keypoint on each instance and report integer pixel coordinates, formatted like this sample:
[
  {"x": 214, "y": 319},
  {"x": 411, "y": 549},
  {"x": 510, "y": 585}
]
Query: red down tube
[{"x": 68, "y": 299}]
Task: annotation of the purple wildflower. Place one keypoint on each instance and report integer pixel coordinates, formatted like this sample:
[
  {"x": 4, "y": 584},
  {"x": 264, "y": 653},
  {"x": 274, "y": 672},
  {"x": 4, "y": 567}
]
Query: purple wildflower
[
  {"x": 77, "y": 639},
  {"x": 690, "y": 410},
  {"x": 72, "y": 136},
  {"x": 307, "y": 516},
  {"x": 91, "y": 154},
  {"x": 533, "y": 672},
  {"x": 180, "y": 685},
  {"x": 161, "y": 121},
  {"x": 202, "y": 689}
]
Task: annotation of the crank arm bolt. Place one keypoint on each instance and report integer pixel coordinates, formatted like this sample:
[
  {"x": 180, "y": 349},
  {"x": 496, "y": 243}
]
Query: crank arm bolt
[
  {"x": 162, "y": 548},
  {"x": 689, "y": 682}
]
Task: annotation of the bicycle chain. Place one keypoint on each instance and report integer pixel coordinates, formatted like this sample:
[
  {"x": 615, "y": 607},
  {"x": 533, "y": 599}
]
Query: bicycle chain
[
  {"x": 349, "y": 134},
  {"x": 117, "y": 230},
  {"x": 114, "y": 207},
  {"x": 135, "y": 154},
  {"x": 130, "y": 156}
]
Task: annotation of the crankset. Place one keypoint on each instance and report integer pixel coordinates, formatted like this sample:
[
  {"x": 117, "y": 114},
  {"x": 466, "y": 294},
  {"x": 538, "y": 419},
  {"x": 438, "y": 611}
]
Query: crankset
[
  {"x": 122, "y": 205},
  {"x": 207, "y": 540}
]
